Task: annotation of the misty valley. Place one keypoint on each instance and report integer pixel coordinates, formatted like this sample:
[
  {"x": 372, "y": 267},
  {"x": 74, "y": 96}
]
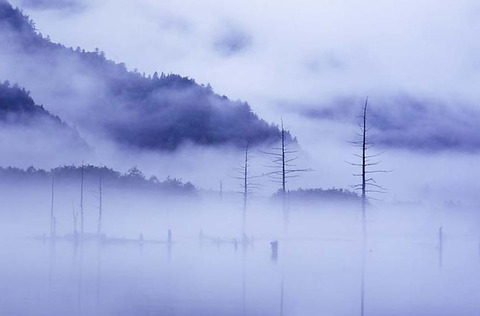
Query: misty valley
[
  {"x": 137, "y": 191},
  {"x": 174, "y": 251}
]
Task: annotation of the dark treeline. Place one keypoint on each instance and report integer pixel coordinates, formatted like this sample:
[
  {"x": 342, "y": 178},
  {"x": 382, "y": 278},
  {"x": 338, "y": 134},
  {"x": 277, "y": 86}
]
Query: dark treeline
[
  {"x": 133, "y": 179},
  {"x": 16, "y": 106},
  {"x": 16, "y": 100},
  {"x": 317, "y": 195},
  {"x": 153, "y": 112},
  {"x": 18, "y": 110}
]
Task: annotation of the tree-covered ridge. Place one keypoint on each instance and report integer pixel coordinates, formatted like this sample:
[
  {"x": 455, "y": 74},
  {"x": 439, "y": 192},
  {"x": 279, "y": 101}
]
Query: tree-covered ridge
[
  {"x": 151, "y": 112},
  {"x": 132, "y": 179},
  {"x": 13, "y": 18},
  {"x": 18, "y": 110},
  {"x": 16, "y": 104}
]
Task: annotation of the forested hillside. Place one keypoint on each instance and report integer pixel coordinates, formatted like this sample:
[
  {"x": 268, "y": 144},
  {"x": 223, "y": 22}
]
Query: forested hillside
[{"x": 102, "y": 97}]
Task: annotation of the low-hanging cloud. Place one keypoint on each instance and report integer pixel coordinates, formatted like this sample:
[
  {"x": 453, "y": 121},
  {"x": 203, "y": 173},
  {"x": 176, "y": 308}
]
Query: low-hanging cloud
[
  {"x": 292, "y": 52},
  {"x": 301, "y": 56},
  {"x": 52, "y": 4},
  {"x": 404, "y": 121},
  {"x": 377, "y": 48},
  {"x": 102, "y": 97}
]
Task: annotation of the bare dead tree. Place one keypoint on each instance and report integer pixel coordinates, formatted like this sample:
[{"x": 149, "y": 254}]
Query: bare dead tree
[
  {"x": 245, "y": 189},
  {"x": 75, "y": 218},
  {"x": 368, "y": 168},
  {"x": 54, "y": 226},
  {"x": 247, "y": 185},
  {"x": 81, "y": 201},
  {"x": 284, "y": 169},
  {"x": 52, "y": 216},
  {"x": 100, "y": 204},
  {"x": 367, "y": 185}
]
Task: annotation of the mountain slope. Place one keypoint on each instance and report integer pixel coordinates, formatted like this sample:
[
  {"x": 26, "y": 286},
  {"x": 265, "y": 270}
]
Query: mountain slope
[
  {"x": 17, "y": 107},
  {"x": 104, "y": 99},
  {"x": 28, "y": 130}
]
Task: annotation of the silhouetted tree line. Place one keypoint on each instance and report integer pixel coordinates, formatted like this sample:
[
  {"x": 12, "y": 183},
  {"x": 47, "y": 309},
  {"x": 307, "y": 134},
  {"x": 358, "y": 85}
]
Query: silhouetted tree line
[
  {"x": 16, "y": 102},
  {"x": 327, "y": 195},
  {"x": 153, "y": 112},
  {"x": 132, "y": 179},
  {"x": 17, "y": 107}
]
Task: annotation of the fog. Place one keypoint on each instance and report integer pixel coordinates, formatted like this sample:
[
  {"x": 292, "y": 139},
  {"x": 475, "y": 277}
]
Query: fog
[
  {"x": 163, "y": 158},
  {"x": 329, "y": 61},
  {"x": 207, "y": 269},
  {"x": 316, "y": 49}
]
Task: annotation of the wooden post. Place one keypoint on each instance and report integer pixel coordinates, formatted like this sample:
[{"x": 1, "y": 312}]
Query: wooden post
[
  {"x": 235, "y": 244},
  {"x": 221, "y": 191},
  {"x": 274, "y": 246}
]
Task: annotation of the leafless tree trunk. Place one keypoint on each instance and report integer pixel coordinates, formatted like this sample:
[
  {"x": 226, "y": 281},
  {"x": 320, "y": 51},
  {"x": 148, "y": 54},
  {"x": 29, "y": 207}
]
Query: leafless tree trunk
[
  {"x": 245, "y": 190},
  {"x": 52, "y": 216},
  {"x": 81, "y": 203},
  {"x": 367, "y": 185},
  {"x": 364, "y": 169},
  {"x": 284, "y": 181},
  {"x": 285, "y": 169},
  {"x": 247, "y": 186},
  {"x": 75, "y": 218},
  {"x": 364, "y": 207},
  {"x": 100, "y": 205}
]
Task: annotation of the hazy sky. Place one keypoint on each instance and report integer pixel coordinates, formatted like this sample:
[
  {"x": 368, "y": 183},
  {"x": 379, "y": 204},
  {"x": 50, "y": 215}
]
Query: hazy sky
[
  {"x": 417, "y": 60},
  {"x": 285, "y": 56},
  {"x": 283, "y": 52}
]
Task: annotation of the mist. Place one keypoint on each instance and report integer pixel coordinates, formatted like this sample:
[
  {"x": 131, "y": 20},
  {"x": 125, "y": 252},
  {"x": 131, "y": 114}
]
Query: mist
[
  {"x": 205, "y": 158},
  {"x": 208, "y": 269},
  {"x": 338, "y": 60}
]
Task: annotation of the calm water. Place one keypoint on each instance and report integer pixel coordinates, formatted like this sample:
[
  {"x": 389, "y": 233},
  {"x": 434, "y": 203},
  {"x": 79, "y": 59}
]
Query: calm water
[{"x": 318, "y": 270}]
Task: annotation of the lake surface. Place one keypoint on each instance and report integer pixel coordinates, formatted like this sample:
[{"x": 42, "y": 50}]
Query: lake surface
[{"x": 318, "y": 270}]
